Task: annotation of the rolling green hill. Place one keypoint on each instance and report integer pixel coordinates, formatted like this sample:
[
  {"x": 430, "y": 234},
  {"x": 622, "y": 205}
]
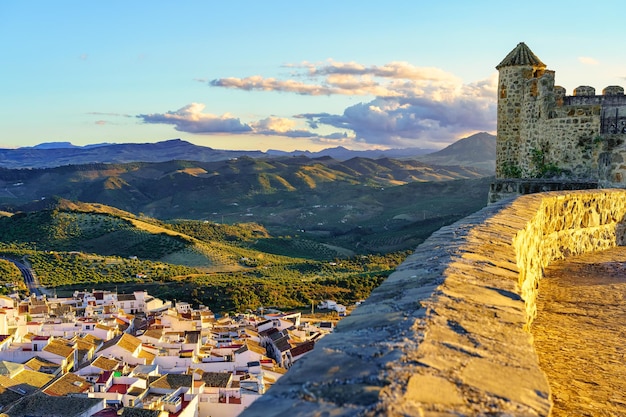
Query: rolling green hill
[
  {"x": 348, "y": 202},
  {"x": 75, "y": 245},
  {"x": 231, "y": 234}
]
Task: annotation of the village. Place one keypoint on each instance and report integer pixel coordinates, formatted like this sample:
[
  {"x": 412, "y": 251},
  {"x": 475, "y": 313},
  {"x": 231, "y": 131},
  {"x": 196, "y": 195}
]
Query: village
[{"x": 104, "y": 354}]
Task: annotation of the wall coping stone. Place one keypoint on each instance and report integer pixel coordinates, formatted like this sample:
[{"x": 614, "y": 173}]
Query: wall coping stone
[{"x": 446, "y": 333}]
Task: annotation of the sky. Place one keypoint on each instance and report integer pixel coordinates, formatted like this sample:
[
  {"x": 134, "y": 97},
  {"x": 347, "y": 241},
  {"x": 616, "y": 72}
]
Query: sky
[{"x": 288, "y": 75}]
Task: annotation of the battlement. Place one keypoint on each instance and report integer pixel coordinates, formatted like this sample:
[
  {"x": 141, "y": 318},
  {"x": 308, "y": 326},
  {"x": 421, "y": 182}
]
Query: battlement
[
  {"x": 586, "y": 91},
  {"x": 585, "y": 95},
  {"x": 545, "y": 133}
]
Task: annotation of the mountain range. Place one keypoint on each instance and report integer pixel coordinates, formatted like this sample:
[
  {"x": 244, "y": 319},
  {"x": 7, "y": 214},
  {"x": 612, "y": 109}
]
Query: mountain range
[
  {"x": 477, "y": 151},
  {"x": 268, "y": 227},
  {"x": 359, "y": 202}
]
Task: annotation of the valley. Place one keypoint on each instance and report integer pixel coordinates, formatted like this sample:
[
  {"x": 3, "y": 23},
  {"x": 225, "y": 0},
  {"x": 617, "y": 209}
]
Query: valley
[{"x": 232, "y": 234}]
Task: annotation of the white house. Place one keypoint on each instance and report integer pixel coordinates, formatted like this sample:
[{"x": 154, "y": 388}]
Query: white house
[
  {"x": 332, "y": 305},
  {"x": 127, "y": 348}
]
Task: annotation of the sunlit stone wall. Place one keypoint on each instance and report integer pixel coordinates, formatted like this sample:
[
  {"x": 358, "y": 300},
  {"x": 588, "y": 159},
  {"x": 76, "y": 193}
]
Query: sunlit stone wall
[{"x": 445, "y": 334}]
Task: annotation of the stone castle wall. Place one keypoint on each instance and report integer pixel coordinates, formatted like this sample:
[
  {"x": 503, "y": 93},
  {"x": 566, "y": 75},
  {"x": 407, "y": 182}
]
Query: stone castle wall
[
  {"x": 544, "y": 133},
  {"x": 444, "y": 334}
]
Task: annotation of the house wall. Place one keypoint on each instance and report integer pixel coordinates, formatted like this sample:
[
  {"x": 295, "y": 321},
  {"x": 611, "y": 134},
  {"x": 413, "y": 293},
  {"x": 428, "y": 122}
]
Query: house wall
[
  {"x": 93, "y": 410},
  {"x": 177, "y": 324},
  {"x": 126, "y": 356},
  {"x": 242, "y": 359},
  {"x": 192, "y": 407},
  {"x": 215, "y": 366},
  {"x": 446, "y": 333},
  {"x": 167, "y": 363},
  {"x": 19, "y": 356},
  {"x": 4, "y": 323},
  {"x": 216, "y": 409}
]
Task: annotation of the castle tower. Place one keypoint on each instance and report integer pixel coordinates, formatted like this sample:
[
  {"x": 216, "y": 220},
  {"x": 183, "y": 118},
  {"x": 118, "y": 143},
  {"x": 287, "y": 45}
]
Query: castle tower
[{"x": 517, "y": 93}]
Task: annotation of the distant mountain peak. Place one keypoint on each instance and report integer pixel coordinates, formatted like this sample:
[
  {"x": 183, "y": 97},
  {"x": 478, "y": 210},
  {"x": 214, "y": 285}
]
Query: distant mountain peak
[
  {"x": 54, "y": 145},
  {"x": 478, "y": 150}
]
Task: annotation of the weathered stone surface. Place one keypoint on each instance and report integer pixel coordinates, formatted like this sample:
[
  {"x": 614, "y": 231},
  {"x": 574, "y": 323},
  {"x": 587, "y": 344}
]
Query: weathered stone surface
[
  {"x": 445, "y": 334},
  {"x": 543, "y": 132},
  {"x": 579, "y": 333},
  {"x": 431, "y": 389}
]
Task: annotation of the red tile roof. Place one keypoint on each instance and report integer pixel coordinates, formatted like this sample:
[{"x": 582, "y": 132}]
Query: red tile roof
[
  {"x": 104, "y": 377},
  {"x": 119, "y": 388}
]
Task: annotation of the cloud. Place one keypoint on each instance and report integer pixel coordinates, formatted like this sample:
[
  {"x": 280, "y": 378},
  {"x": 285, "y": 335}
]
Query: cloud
[
  {"x": 96, "y": 113},
  {"x": 275, "y": 124},
  {"x": 393, "y": 70},
  {"x": 271, "y": 84},
  {"x": 587, "y": 60},
  {"x": 191, "y": 119},
  {"x": 335, "y": 78},
  {"x": 403, "y": 105},
  {"x": 437, "y": 115},
  {"x": 280, "y": 126}
]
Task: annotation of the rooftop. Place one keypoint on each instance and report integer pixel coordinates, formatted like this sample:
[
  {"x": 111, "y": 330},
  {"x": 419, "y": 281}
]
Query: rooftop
[
  {"x": 216, "y": 379},
  {"x": 107, "y": 364},
  {"x": 521, "y": 55},
  {"x": 119, "y": 388},
  {"x": 173, "y": 381},
  {"x": 139, "y": 412},
  {"x": 59, "y": 348},
  {"x": 37, "y": 363},
  {"x": 40, "y": 404},
  {"x": 67, "y": 384}
]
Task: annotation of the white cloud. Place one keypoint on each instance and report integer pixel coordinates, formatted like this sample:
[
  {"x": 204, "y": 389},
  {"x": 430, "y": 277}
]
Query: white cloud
[
  {"x": 335, "y": 78},
  {"x": 405, "y": 105},
  {"x": 429, "y": 114},
  {"x": 276, "y": 124},
  {"x": 191, "y": 119},
  {"x": 392, "y": 70},
  {"x": 587, "y": 60}
]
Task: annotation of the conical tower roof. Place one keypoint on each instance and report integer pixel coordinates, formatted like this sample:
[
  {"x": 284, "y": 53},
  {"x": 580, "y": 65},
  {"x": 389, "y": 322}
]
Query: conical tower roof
[{"x": 521, "y": 55}]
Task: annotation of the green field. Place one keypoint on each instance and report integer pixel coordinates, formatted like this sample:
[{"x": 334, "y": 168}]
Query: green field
[{"x": 273, "y": 245}]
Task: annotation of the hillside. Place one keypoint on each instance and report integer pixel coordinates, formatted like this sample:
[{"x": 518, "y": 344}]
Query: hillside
[
  {"x": 74, "y": 245},
  {"x": 97, "y": 229},
  {"x": 61, "y": 154},
  {"x": 477, "y": 151},
  {"x": 328, "y": 199},
  {"x": 231, "y": 234}
]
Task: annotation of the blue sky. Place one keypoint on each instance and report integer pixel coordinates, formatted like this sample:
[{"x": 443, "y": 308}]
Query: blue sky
[{"x": 283, "y": 74}]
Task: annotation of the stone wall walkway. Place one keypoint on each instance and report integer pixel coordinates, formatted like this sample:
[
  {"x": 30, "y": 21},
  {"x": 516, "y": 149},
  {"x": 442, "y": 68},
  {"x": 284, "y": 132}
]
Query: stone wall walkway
[
  {"x": 580, "y": 333},
  {"x": 444, "y": 335}
]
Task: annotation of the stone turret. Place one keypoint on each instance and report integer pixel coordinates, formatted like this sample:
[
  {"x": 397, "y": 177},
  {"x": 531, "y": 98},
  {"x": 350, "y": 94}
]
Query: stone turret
[
  {"x": 544, "y": 134},
  {"x": 517, "y": 90}
]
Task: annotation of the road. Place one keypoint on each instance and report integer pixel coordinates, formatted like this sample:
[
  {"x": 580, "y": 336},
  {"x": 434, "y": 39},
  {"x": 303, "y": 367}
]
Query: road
[{"x": 29, "y": 278}]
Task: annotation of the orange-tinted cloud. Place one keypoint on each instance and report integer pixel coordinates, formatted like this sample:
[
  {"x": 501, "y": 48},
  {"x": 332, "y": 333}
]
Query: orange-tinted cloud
[{"x": 406, "y": 105}]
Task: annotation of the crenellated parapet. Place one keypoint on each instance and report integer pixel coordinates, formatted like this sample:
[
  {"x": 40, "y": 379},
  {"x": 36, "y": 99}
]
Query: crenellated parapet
[
  {"x": 545, "y": 133},
  {"x": 585, "y": 95}
]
